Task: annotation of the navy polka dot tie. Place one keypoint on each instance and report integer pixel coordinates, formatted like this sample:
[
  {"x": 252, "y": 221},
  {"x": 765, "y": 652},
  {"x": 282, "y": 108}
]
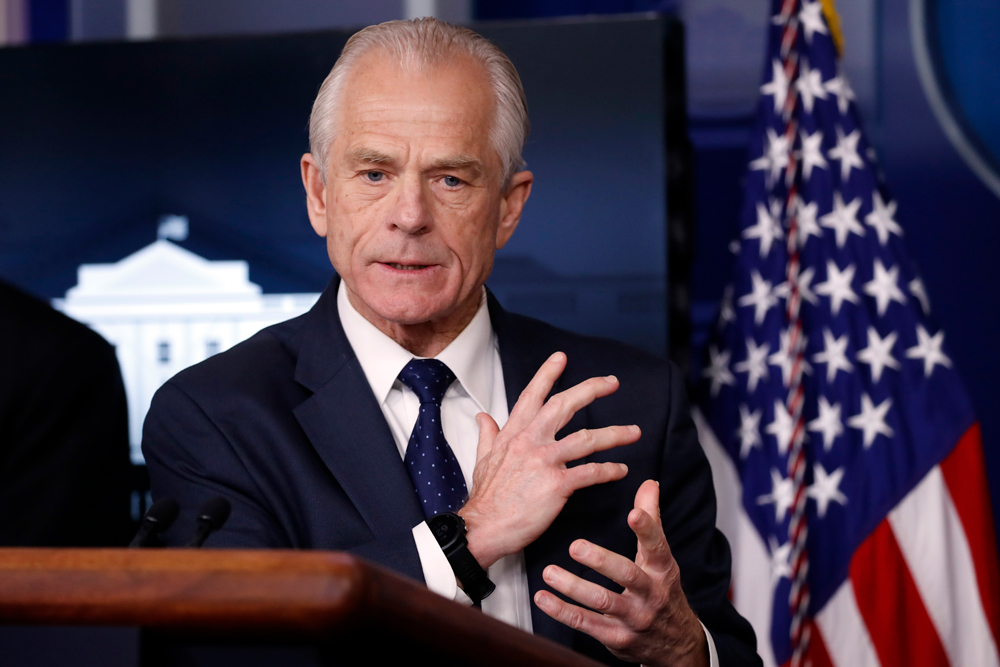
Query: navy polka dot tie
[{"x": 432, "y": 465}]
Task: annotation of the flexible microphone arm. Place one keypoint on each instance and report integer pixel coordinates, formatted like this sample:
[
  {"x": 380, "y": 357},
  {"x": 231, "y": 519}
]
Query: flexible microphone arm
[
  {"x": 158, "y": 518},
  {"x": 211, "y": 517}
]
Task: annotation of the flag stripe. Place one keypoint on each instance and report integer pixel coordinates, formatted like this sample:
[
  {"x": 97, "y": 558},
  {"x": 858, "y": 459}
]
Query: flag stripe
[
  {"x": 844, "y": 632},
  {"x": 964, "y": 472},
  {"x": 818, "y": 654},
  {"x": 751, "y": 589},
  {"x": 930, "y": 538},
  {"x": 901, "y": 631}
]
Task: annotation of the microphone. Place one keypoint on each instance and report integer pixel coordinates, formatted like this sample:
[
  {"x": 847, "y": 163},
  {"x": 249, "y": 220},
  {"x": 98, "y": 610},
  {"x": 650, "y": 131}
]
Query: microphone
[
  {"x": 158, "y": 518},
  {"x": 211, "y": 517}
]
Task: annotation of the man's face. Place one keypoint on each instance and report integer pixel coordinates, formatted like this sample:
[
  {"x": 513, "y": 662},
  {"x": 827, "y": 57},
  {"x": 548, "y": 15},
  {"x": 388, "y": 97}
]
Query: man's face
[{"x": 413, "y": 208}]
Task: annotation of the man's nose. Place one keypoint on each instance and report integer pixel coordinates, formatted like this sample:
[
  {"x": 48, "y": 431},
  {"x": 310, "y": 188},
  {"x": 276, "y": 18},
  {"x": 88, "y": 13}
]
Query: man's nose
[{"x": 412, "y": 211}]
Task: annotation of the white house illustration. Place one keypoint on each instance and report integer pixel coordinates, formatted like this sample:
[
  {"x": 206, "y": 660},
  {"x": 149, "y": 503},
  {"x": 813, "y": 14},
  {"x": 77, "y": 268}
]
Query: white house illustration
[{"x": 165, "y": 308}]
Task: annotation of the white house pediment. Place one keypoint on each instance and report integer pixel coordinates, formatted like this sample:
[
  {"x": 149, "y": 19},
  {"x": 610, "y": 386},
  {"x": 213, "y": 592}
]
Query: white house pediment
[{"x": 162, "y": 268}]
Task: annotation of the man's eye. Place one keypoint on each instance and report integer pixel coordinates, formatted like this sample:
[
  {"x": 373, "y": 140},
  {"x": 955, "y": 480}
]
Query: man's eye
[
  {"x": 374, "y": 176},
  {"x": 452, "y": 181}
]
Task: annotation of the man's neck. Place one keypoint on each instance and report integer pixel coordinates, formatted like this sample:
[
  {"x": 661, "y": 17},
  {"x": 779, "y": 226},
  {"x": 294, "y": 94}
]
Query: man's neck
[{"x": 425, "y": 339}]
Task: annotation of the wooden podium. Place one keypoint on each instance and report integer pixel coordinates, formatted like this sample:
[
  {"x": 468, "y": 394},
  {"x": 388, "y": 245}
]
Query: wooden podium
[{"x": 201, "y": 606}]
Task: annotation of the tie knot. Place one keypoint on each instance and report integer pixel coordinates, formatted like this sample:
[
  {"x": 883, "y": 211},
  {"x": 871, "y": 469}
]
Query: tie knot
[{"x": 429, "y": 379}]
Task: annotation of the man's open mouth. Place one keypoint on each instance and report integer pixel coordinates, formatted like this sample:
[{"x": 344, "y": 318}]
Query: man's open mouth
[{"x": 407, "y": 267}]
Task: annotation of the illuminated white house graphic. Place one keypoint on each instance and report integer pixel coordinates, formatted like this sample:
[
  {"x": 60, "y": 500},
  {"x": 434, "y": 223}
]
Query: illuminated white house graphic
[{"x": 165, "y": 308}]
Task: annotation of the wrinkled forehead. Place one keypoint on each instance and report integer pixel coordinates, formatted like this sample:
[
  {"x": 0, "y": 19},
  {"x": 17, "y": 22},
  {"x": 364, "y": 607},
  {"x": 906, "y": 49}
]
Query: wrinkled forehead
[{"x": 450, "y": 99}]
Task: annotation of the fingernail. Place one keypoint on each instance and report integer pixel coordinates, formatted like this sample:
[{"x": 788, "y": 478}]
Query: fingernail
[
  {"x": 557, "y": 356},
  {"x": 634, "y": 429},
  {"x": 623, "y": 467},
  {"x": 548, "y": 574},
  {"x": 612, "y": 379},
  {"x": 580, "y": 549}
]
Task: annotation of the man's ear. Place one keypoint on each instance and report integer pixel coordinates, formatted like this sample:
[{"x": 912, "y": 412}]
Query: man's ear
[
  {"x": 512, "y": 204},
  {"x": 315, "y": 193}
]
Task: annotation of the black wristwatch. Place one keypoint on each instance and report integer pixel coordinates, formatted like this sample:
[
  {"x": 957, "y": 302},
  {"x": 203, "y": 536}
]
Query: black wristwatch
[{"x": 449, "y": 531}]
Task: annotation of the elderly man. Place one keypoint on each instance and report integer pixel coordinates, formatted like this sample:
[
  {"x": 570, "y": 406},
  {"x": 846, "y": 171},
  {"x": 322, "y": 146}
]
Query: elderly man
[{"x": 410, "y": 420}]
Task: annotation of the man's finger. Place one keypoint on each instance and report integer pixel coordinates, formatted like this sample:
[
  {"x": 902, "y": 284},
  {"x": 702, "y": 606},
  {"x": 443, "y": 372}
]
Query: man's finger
[
  {"x": 559, "y": 409},
  {"x": 585, "y": 592},
  {"x": 589, "y": 474},
  {"x": 488, "y": 431},
  {"x": 533, "y": 397},
  {"x": 654, "y": 551},
  {"x": 604, "y": 629},
  {"x": 647, "y": 498},
  {"x": 615, "y": 567},
  {"x": 587, "y": 441}
]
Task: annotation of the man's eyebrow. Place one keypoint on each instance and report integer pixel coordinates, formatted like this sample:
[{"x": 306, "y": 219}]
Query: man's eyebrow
[
  {"x": 369, "y": 156},
  {"x": 458, "y": 162}
]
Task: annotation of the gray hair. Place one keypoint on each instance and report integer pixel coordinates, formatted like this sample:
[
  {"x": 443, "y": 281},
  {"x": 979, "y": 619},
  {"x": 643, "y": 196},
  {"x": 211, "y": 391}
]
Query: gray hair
[{"x": 426, "y": 42}]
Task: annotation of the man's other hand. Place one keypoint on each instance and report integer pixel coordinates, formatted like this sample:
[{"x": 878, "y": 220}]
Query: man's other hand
[
  {"x": 650, "y": 622},
  {"x": 521, "y": 481}
]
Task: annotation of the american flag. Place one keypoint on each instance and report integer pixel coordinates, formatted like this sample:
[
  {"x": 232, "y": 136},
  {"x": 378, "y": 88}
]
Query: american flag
[{"x": 847, "y": 460}]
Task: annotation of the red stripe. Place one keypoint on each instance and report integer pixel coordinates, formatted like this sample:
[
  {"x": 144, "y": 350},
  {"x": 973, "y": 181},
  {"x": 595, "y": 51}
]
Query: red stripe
[
  {"x": 965, "y": 474},
  {"x": 900, "y": 629},
  {"x": 817, "y": 655}
]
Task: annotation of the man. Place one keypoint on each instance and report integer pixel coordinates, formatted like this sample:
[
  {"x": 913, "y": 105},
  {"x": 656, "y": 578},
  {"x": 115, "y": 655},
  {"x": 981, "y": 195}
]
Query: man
[
  {"x": 64, "y": 453},
  {"x": 415, "y": 180}
]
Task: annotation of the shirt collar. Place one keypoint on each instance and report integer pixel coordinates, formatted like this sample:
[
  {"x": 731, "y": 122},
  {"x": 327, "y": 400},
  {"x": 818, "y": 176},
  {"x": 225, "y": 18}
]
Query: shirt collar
[{"x": 469, "y": 356}]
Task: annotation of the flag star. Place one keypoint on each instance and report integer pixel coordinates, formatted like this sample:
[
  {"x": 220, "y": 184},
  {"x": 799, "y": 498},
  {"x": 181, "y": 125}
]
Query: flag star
[
  {"x": 825, "y": 488},
  {"x": 782, "y": 427},
  {"x": 768, "y": 227},
  {"x": 805, "y": 215},
  {"x": 841, "y": 89},
  {"x": 780, "y": 557},
  {"x": 761, "y": 297},
  {"x": 775, "y": 157},
  {"x": 878, "y": 354},
  {"x": 782, "y": 495},
  {"x": 871, "y": 419},
  {"x": 928, "y": 348},
  {"x": 838, "y": 286},
  {"x": 843, "y": 219},
  {"x": 834, "y": 355},
  {"x": 812, "y": 152},
  {"x": 803, "y": 283},
  {"x": 726, "y": 312},
  {"x": 811, "y": 18},
  {"x": 749, "y": 431},
  {"x": 846, "y": 151},
  {"x": 755, "y": 364},
  {"x": 917, "y": 289},
  {"x": 777, "y": 86},
  {"x": 785, "y": 356},
  {"x": 718, "y": 369},
  {"x": 884, "y": 287},
  {"x": 827, "y": 423},
  {"x": 810, "y": 86},
  {"x": 881, "y": 218}
]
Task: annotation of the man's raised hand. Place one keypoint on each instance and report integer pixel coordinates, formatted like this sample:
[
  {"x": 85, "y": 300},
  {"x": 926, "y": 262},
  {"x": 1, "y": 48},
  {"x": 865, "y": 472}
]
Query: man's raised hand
[
  {"x": 521, "y": 481},
  {"x": 650, "y": 622}
]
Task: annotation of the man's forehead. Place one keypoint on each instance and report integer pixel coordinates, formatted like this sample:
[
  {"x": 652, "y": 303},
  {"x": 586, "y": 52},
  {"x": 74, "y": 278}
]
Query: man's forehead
[{"x": 447, "y": 106}]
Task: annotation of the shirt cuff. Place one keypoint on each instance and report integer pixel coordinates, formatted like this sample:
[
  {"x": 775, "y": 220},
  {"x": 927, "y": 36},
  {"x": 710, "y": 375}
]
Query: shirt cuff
[
  {"x": 438, "y": 574},
  {"x": 713, "y": 656}
]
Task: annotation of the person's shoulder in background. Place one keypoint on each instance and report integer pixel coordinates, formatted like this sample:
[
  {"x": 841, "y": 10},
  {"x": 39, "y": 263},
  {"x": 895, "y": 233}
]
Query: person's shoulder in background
[{"x": 65, "y": 474}]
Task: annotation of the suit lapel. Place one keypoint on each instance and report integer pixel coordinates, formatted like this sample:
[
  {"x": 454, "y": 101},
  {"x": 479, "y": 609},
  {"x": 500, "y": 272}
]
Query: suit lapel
[
  {"x": 344, "y": 422},
  {"x": 521, "y": 355}
]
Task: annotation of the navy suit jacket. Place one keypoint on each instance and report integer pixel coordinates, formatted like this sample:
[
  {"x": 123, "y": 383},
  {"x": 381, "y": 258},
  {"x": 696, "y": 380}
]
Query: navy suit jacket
[{"x": 286, "y": 427}]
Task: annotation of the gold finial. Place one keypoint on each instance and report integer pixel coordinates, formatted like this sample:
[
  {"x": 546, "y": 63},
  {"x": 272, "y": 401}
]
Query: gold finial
[{"x": 833, "y": 20}]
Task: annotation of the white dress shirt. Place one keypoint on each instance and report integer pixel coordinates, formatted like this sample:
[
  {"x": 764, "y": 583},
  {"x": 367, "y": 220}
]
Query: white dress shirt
[{"x": 474, "y": 358}]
